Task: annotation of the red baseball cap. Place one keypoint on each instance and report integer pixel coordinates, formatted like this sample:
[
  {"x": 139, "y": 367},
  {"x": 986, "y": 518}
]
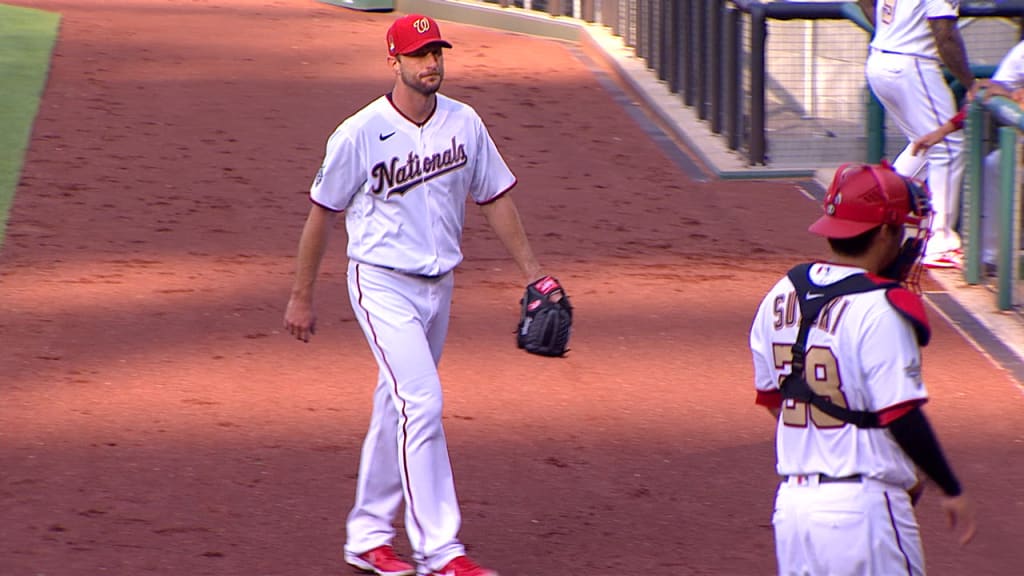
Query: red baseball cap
[
  {"x": 863, "y": 196},
  {"x": 412, "y": 32}
]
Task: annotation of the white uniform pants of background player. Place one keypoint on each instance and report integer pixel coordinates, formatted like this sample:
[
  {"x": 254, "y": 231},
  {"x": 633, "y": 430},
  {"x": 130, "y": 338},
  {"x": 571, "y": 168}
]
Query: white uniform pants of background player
[
  {"x": 405, "y": 454},
  {"x": 845, "y": 529},
  {"x": 917, "y": 97},
  {"x": 991, "y": 204}
]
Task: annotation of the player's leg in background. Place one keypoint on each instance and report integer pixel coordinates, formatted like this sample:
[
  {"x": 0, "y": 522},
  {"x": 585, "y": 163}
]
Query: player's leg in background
[
  {"x": 395, "y": 311},
  {"x": 379, "y": 485},
  {"x": 915, "y": 93},
  {"x": 886, "y": 74},
  {"x": 946, "y": 160},
  {"x": 990, "y": 208}
]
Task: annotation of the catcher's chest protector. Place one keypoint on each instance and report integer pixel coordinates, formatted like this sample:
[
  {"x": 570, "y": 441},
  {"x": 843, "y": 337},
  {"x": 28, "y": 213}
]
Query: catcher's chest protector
[{"x": 813, "y": 299}]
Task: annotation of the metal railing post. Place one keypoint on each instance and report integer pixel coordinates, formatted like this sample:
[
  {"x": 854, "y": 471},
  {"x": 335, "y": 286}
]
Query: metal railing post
[
  {"x": 974, "y": 180},
  {"x": 671, "y": 17},
  {"x": 875, "y": 128},
  {"x": 758, "y": 45},
  {"x": 715, "y": 66},
  {"x": 690, "y": 71},
  {"x": 701, "y": 57},
  {"x": 640, "y": 17},
  {"x": 654, "y": 38},
  {"x": 733, "y": 76},
  {"x": 1007, "y": 249}
]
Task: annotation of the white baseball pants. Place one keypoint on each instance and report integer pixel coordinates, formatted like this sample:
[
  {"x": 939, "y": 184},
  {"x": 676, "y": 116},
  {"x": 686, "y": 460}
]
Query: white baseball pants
[
  {"x": 866, "y": 528},
  {"x": 917, "y": 97},
  {"x": 405, "y": 454}
]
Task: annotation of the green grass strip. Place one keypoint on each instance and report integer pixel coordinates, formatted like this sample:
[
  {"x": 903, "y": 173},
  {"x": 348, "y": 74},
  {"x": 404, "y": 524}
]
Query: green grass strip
[{"x": 26, "y": 42}]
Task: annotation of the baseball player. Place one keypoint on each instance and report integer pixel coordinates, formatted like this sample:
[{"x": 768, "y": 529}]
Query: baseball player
[
  {"x": 1007, "y": 81},
  {"x": 913, "y": 38},
  {"x": 837, "y": 363},
  {"x": 401, "y": 170}
]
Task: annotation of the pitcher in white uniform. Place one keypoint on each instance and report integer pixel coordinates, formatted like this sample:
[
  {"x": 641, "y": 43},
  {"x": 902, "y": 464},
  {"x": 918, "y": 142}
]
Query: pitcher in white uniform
[
  {"x": 913, "y": 38},
  {"x": 401, "y": 169},
  {"x": 846, "y": 391}
]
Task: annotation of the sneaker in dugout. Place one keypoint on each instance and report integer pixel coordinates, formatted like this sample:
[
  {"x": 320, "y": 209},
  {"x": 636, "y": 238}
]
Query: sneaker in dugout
[
  {"x": 947, "y": 259},
  {"x": 463, "y": 566},
  {"x": 381, "y": 561}
]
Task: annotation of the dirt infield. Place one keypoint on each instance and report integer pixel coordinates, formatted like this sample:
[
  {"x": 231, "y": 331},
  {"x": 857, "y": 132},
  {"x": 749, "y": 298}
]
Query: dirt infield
[{"x": 154, "y": 419}]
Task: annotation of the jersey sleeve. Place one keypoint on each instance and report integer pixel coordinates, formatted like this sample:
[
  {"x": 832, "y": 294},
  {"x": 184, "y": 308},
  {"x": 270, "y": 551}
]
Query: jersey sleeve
[
  {"x": 766, "y": 377},
  {"x": 491, "y": 176},
  {"x": 1010, "y": 72},
  {"x": 341, "y": 174},
  {"x": 941, "y": 9},
  {"x": 891, "y": 360}
]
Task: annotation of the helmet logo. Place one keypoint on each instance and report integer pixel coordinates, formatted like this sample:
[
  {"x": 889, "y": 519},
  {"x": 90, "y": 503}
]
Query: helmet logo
[{"x": 421, "y": 25}]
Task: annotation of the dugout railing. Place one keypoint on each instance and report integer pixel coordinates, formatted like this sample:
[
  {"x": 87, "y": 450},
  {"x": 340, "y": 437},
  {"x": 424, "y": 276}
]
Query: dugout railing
[
  {"x": 781, "y": 82},
  {"x": 995, "y": 124}
]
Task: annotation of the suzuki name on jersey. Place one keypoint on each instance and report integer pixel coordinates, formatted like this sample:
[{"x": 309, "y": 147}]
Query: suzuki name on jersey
[
  {"x": 391, "y": 178},
  {"x": 785, "y": 310}
]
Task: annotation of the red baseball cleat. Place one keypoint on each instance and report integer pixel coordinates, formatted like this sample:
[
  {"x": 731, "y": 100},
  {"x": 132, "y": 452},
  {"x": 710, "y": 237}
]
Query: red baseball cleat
[
  {"x": 382, "y": 561},
  {"x": 947, "y": 259},
  {"x": 463, "y": 566}
]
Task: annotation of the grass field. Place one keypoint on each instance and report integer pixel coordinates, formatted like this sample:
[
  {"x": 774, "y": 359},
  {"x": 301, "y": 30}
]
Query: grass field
[{"x": 26, "y": 41}]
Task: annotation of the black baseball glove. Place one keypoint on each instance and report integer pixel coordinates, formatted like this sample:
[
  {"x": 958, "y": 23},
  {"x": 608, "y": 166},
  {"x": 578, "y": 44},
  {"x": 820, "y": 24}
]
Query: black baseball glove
[{"x": 546, "y": 318}]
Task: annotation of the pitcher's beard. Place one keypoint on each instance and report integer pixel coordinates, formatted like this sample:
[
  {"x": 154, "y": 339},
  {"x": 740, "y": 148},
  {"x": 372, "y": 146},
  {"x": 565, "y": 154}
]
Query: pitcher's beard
[{"x": 422, "y": 87}]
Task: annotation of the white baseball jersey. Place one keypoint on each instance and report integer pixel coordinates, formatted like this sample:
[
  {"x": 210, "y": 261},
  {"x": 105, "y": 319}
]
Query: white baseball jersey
[
  {"x": 861, "y": 352},
  {"x": 1010, "y": 72},
  {"x": 901, "y": 26},
  {"x": 403, "y": 186}
]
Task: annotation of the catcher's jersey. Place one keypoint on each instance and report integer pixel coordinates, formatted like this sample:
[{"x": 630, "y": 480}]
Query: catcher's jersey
[
  {"x": 861, "y": 352},
  {"x": 1010, "y": 72},
  {"x": 403, "y": 186},
  {"x": 901, "y": 26}
]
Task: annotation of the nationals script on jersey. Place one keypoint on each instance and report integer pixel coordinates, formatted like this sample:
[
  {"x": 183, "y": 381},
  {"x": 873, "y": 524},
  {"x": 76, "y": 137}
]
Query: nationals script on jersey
[
  {"x": 902, "y": 27},
  {"x": 862, "y": 354},
  {"x": 403, "y": 186}
]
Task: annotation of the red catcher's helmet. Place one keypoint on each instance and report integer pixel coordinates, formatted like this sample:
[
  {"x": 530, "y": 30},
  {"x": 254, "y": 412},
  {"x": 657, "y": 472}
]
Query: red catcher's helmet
[{"x": 863, "y": 196}]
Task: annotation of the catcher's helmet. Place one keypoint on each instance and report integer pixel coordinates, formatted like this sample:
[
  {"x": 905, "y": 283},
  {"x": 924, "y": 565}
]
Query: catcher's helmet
[{"x": 863, "y": 196}]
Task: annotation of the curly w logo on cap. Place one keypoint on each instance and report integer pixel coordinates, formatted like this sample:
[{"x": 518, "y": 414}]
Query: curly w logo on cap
[{"x": 414, "y": 32}]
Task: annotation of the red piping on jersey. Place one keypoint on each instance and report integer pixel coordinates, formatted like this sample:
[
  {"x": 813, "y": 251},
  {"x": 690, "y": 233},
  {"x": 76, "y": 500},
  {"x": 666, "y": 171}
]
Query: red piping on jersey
[
  {"x": 418, "y": 124},
  {"x": 405, "y": 417},
  {"x": 892, "y": 413},
  {"x": 769, "y": 399},
  {"x": 896, "y": 533},
  {"x": 499, "y": 194}
]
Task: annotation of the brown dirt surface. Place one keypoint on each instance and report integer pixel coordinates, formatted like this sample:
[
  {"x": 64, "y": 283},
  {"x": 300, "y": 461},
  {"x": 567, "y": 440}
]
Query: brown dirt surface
[{"x": 155, "y": 419}]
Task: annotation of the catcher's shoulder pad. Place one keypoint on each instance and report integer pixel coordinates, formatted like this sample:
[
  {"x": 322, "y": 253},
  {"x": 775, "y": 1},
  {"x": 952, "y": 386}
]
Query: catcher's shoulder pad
[{"x": 911, "y": 307}]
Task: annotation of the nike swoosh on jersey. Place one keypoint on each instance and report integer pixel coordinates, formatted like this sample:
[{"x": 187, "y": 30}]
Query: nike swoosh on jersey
[
  {"x": 813, "y": 295},
  {"x": 384, "y": 137}
]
